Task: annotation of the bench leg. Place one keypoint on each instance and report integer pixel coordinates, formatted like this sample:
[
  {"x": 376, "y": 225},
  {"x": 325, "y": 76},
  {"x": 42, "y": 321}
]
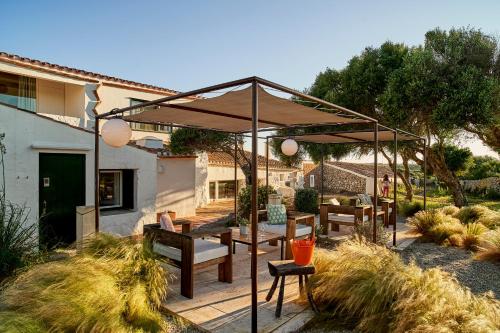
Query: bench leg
[
  {"x": 335, "y": 227},
  {"x": 273, "y": 242},
  {"x": 273, "y": 288},
  {"x": 226, "y": 271},
  {"x": 280, "y": 297},
  {"x": 187, "y": 281}
]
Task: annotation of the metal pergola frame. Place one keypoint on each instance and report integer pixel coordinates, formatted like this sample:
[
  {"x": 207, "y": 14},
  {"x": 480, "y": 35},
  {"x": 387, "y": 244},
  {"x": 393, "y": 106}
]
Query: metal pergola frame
[{"x": 255, "y": 83}]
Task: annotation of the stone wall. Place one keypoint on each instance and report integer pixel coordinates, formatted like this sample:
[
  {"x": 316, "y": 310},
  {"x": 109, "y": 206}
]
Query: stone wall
[
  {"x": 482, "y": 185},
  {"x": 336, "y": 181}
]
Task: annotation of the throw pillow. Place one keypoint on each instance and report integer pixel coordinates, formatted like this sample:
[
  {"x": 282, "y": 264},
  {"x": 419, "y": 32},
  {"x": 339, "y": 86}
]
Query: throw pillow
[
  {"x": 166, "y": 222},
  {"x": 334, "y": 202},
  {"x": 364, "y": 200},
  {"x": 276, "y": 214}
]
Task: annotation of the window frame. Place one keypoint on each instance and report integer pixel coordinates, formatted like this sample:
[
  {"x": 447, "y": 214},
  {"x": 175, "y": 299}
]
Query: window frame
[{"x": 136, "y": 126}]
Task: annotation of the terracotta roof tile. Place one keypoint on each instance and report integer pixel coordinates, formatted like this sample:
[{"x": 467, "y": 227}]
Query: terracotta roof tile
[
  {"x": 224, "y": 159},
  {"x": 78, "y": 73}
]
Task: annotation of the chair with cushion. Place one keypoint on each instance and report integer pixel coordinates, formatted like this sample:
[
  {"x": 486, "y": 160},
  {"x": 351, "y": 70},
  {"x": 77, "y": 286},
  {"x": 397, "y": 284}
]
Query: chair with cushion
[
  {"x": 383, "y": 204},
  {"x": 190, "y": 252},
  {"x": 337, "y": 215},
  {"x": 282, "y": 222}
]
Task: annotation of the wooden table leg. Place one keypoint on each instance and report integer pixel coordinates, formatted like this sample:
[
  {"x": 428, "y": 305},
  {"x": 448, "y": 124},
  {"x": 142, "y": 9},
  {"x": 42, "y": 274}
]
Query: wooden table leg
[
  {"x": 301, "y": 285},
  {"x": 234, "y": 247},
  {"x": 280, "y": 297},
  {"x": 273, "y": 288}
]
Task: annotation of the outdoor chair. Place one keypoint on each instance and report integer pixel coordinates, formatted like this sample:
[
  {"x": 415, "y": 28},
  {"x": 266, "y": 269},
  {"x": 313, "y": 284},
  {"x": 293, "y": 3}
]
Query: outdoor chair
[
  {"x": 190, "y": 252},
  {"x": 383, "y": 204},
  {"x": 337, "y": 215}
]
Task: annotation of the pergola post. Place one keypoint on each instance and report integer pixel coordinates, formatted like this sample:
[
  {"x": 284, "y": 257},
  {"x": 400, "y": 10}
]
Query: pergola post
[
  {"x": 267, "y": 165},
  {"x": 235, "y": 179},
  {"x": 255, "y": 181},
  {"x": 322, "y": 171},
  {"x": 96, "y": 173},
  {"x": 425, "y": 174},
  {"x": 375, "y": 180},
  {"x": 395, "y": 208}
]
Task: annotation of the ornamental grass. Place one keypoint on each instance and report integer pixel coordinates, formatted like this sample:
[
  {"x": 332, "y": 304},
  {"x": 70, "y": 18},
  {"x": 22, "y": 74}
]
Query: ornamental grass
[
  {"x": 371, "y": 286},
  {"x": 489, "y": 248},
  {"x": 115, "y": 285}
]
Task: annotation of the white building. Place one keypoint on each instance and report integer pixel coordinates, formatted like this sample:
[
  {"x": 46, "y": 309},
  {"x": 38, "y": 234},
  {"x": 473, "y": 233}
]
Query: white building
[{"x": 47, "y": 114}]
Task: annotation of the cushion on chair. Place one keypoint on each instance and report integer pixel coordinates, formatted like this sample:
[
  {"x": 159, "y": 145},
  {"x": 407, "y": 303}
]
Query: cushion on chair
[
  {"x": 379, "y": 208},
  {"x": 276, "y": 214},
  {"x": 203, "y": 250},
  {"x": 344, "y": 217},
  {"x": 365, "y": 199},
  {"x": 280, "y": 229}
]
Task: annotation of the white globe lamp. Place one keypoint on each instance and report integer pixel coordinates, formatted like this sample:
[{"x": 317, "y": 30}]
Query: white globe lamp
[
  {"x": 289, "y": 147},
  {"x": 116, "y": 132}
]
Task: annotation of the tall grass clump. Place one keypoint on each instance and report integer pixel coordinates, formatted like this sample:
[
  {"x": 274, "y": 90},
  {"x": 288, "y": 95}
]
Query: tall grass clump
[
  {"x": 489, "y": 248},
  {"x": 115, "y": 285},
  {"x": 364, "y": 230},
  {"x": 471, "y": 214},
  {"x": 424, "y": 220},
  {"x": 449, "y": 210},
  {"x": 371, "y": 285},
  {"x": 471, "y": 235}
]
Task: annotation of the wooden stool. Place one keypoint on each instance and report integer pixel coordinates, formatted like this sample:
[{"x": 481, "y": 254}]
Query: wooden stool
[{"x": 282, "y": 268}]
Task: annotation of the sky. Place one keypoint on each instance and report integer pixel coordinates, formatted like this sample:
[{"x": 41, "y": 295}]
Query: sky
[{"x": 185, "y": 45}]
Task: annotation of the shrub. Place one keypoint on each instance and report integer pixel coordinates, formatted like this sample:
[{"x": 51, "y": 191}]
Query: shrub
[
  {"x": 470, "y": 237},
  {"x": 373, "y": 287},
  {"x": 410, "y": 208},
  {"x": 306, "y": 200},
  {"x": 491, "y": 220},
  {"x": 471, "y": 214},
  {"x": 18, "y": 238},
  {"x": 245, "y": 199},
  {"x": 423, "y": 221},
  {"x": 489, "y": 248},
  {"x": 449, "y": 210},
  {"x": 114, "y": 286},
  {"x": 441, "y": 232}
]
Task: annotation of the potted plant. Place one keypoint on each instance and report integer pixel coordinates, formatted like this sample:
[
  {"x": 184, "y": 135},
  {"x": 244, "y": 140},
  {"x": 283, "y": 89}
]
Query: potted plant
[{"x": 243, "y": 223}]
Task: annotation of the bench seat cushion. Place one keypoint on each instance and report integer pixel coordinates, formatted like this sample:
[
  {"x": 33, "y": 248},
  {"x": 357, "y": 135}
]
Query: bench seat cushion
[
  {"x": 344, "y": 217},
  {"x": 280, "y": 229},
  {"x": 203, "y": 251}
]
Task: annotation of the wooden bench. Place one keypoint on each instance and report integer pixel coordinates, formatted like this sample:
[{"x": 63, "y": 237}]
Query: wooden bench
[
  {"x": 337, "y": 215},
  {"x": 384, "y": 205},
  {"x": 281, "y": 269}
]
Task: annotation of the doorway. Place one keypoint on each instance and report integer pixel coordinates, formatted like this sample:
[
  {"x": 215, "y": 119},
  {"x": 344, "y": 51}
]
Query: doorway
[{"x": 61, "y": 190}]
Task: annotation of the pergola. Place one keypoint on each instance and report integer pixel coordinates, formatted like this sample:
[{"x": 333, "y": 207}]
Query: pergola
[{"x": 248, "y": 108}]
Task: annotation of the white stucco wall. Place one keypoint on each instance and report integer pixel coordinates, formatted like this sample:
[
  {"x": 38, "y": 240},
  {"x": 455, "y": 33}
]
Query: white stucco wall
[
  {"x": 201, "y": 181},
  {"x": 176, "y": 186},
  {"x": 24, "y": 131}
]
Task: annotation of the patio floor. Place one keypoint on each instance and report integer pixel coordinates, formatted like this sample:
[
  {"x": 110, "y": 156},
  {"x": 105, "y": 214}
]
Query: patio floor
[{"x": 223, "y": 307}]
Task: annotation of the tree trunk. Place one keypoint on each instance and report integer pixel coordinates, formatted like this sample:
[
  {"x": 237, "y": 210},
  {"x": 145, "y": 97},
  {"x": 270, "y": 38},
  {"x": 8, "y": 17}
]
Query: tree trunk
[{"x": 436, "y": 163}]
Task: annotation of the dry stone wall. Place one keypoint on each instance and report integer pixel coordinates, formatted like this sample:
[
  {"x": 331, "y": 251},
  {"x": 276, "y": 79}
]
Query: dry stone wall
[{"x": 336, "y": 181}]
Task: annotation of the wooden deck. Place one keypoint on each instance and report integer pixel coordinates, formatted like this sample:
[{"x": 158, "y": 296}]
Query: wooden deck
[{"x": 224, "y": 307}]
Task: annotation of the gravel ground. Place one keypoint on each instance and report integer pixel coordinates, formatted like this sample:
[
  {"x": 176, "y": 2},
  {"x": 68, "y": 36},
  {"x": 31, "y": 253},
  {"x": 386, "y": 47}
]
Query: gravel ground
[{"x": 479, "y": 276}]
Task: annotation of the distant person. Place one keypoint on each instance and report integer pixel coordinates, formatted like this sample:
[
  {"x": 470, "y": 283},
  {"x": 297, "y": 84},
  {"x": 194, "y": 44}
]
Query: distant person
[{"x": 386, "y": 183}]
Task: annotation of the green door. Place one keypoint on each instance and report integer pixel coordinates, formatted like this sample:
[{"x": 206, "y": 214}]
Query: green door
[{"x": 62, "y": 188}]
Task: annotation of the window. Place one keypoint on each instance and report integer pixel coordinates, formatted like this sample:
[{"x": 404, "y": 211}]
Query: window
[
  {"x": 311, "y": 181},
  {"x": 18, "y": 91},
  {"x": 146, "y": 127},
  {"x": 116, "y": 189},
  {"x": 226, "y": 189}
]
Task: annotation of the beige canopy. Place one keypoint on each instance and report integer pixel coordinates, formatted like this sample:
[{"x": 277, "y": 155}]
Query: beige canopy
[
  {"x": 353, "y": 137},
  {"x": 232, "y": 112}
]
